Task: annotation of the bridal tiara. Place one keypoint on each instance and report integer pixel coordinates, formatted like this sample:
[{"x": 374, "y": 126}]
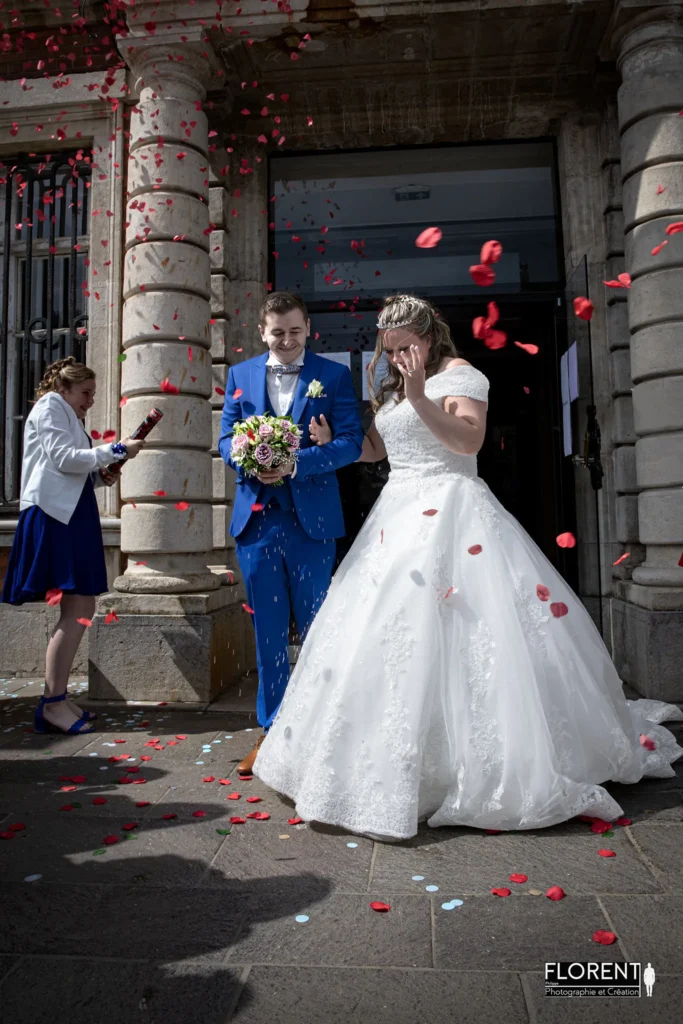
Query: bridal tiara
[{"x": 392, "y": 327}]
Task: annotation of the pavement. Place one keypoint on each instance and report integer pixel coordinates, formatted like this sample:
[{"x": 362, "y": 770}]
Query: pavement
[{"x": 127, "y": 895}]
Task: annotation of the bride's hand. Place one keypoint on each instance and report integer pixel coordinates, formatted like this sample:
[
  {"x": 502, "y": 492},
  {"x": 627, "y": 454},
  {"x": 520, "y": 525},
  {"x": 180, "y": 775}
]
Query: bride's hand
[
  {"x": 412, "y": 369},
  {"x": 320, "y": 433}
]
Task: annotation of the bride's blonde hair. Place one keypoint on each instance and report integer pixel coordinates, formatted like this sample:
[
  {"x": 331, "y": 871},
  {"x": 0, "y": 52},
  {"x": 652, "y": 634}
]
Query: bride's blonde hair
[{"x": 425, "y": 321}]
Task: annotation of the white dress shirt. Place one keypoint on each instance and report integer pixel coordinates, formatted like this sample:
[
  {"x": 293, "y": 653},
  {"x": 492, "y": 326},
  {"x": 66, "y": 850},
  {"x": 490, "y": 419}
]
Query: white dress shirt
[{"x": 282, "y": 387}]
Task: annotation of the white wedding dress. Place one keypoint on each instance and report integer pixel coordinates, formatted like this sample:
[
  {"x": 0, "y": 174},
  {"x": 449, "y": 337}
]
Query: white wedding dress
[{"x": 435, "y": 683}]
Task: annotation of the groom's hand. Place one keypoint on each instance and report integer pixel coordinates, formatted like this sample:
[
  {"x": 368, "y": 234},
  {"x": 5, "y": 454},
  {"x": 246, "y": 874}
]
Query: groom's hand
[{"x": 270, "y": 476}]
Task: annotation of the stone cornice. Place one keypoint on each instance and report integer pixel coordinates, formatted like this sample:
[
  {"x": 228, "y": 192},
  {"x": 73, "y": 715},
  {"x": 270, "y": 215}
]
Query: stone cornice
[
  {"x": 184, "y": 55},
  {"x": 631, "y": 14}
]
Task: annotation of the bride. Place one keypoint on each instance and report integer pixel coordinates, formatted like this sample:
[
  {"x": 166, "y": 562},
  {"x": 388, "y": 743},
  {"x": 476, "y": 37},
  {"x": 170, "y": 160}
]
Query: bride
[{"x": 451, "y": 674}]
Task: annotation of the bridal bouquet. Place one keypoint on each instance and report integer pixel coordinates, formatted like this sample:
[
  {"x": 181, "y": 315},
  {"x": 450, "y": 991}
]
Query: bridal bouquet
[{"x": 263, "y": 442}]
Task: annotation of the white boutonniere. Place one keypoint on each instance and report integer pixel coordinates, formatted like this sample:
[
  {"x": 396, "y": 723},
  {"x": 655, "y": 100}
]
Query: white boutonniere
[{"x": 315, "y": 390}]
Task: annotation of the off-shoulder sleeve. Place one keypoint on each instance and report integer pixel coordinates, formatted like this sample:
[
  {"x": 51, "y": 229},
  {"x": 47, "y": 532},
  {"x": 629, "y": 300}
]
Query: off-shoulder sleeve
[{"x": 459, "y": 382}]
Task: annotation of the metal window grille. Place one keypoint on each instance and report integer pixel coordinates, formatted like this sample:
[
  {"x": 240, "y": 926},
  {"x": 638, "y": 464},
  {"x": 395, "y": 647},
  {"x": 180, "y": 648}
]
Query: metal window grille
[{"x": 44, "y": 217}]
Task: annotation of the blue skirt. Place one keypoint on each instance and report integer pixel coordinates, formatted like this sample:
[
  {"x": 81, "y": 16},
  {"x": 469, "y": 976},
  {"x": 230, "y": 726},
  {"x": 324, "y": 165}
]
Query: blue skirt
[{"x": 49, "y": 555}]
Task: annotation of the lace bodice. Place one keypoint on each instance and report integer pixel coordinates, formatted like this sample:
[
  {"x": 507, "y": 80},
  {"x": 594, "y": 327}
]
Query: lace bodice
[{"x": 411, "y": 447}]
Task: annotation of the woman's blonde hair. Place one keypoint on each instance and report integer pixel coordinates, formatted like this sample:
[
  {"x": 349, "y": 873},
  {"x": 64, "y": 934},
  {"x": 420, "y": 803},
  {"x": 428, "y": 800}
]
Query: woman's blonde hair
[
  {"x": 424, "y": 320},
  {"x": 62, "y": 375}
]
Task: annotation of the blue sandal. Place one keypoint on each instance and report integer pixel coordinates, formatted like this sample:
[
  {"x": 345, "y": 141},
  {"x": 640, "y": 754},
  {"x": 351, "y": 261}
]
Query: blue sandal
[{"x": 41, "y": 724}]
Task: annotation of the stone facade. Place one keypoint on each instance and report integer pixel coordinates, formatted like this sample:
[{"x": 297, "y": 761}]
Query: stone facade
[{"x": 604, "y": 80}]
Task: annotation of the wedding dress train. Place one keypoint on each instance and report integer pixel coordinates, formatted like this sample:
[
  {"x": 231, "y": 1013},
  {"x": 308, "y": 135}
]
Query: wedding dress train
[{"x": 451, "y": 674}]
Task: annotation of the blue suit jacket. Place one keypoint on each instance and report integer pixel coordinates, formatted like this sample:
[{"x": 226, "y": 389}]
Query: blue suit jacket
[{"x": 315, "y": 490}]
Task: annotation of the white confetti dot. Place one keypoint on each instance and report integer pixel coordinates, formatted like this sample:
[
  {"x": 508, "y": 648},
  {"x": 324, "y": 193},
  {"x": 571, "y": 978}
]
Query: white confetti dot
[
  {"x": 301, "y": 918},
  {"x": 418, "y": 878},
  {"x": 432, "y": 888},
  {"x": 33, "y": 878},
  {"x": 352, "y": 846}
]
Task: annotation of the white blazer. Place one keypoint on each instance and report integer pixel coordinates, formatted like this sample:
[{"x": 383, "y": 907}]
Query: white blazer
[{"x": 58, "y": 458}]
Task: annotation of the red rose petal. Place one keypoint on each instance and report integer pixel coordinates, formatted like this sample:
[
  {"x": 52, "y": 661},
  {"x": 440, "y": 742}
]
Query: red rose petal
[
  {"x": 169, "y": 817},
  {"x": 67, "y": 789},
  {"x": 257, "y": 507},
  {"x": 501, "y": 892},
  {"x": 238, "y": 821},
  {"x": 482, "y": 275},
  {"x": 248, "y": 609},
  {"x": 491, "y": 252},
  {"x": 673, "y": 229},
  {"x": 225, "y": 782},
  {"x": 431, "y": 512},
  {"x": 85, "y": 622},
  {"x": 253, "y": 799},
  {"x": 78, "y": 778},
  {"x": 130, "y": 826},
  {"x": 622, "y": 558},
  {"x": 110, "y": 617},
  {"x": 647, "y": 743},
  {"x": 95, "y": 434},
  {"x": 623, "y": 821},
  {"x": 566, "y": 540},
  {"x": 142, "y": 803},
  {"x": 219, "y": 391},
  {"x": 168, "y": 388},
  {"x": 607, "y": 853},
  {"x": 67, "y": 807},
  {"x": 624, "y": 279},
  {"x": 233, "y": 796},
  {"x": 246, "y": 778},
  {"x": 600, "y": 825},
  {"x": 159, "y": 494},
  {"x": 518, "y": 878},
  {"x": 181, "y": 736},
  {"x": 493, "y": 831},
  {"x": 613, "y": 284},
  {"x": 542, "y": 593},
  {"x": 145, "y": 757},
  {"x": 294, "y": 821},
  {"x": 199, "y": 814},
  {"x": 139, "y": 782},
  {"x": 604, "y": 938},
  {"x": 476, "y": 549},
  {"x": 110, "y": 840},
  {"x": 18, "y": 826},
  {"x": 259, "y": 815},
  {"x": 495, "y": 339},
  {"x": 583, "y": 308},
  {"x": 381, "y": 908},
  {"x": 119, "y": 741},
  {"x": 555, "y": 892},
  {"x": 209, "y": 778},
  {"x": 237, "y": 393},
  {"x": 182, "y": 506},
  {"x": 531, "y": 349},
  {"x": 53, "y": 597},
  {"x": 558, "y": 609},
  {"x": 99, "y": 801},
  {"x": 429, "y": 238}
]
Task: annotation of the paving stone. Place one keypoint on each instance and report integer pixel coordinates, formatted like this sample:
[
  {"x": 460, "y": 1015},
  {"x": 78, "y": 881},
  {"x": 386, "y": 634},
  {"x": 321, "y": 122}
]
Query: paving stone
[
  {"x": 663, "y": 1007},
  {"x": 160, "y": 852},
  {"x": 189, "y": 789},
  {"x": 255, "y": 850},
  {"x": 663, "y": 845},
  {"x": 21, "y": 746},
  {"x": 653, "y": 799},
  {"x": 96, "y": 992},
  {"x": 48, "y": 796},
  {"x": 518, "y": 932},
  {"x": 650, "y": 928},
  {"x": 471, "y": 862},
  {"x": 119, "y": 922},
  {"x": 323, "y": 995},
  {"x": 341, "y": 930}
]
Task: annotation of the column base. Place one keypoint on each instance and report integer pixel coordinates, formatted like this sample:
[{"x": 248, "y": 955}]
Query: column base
[
  {"x": 165, "y": 647},
  {"x": 648, "y": 650}
]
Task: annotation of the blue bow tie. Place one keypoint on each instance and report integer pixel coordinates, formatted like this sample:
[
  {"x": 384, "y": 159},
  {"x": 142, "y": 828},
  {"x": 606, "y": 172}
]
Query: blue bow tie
[{"x": 279, "y": 369}]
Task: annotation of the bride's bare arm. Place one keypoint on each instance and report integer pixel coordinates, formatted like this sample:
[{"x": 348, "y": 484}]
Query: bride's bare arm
[
  {"x": 460, "y": 423},
  {"x": 373, "y": 446}
]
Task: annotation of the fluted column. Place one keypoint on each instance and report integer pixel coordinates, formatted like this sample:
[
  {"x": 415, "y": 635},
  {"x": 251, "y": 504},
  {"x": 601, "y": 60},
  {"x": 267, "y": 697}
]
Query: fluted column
[
  {"x": 166, "y": 335},
  {"x": 650, "y": 59}
]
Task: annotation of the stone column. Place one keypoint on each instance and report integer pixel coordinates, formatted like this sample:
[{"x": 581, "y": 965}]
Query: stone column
[
  {"x": 649, "y": 51},
  {"x": 179, "y": 637}
]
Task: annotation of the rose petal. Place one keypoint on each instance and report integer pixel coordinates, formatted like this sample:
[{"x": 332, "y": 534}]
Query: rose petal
[
  {"x": 381, "y": 908},
  {"x": 233, "y": 796},
  {"x": 110, "y": 617},
  {"x": 142, "y": 803},
  {"x": 209, "y": 778},
  {"x": 542, "y": 593},
  {"x": 495, "y": 339},
  {"x": 248, "y": 609},
  {"x": 430, "y": 512},
  {"x": 99, "y": 801},
  {"x": 429, "y": 238},
  {"x": 555, "y": 892},
  {"x": 53, "y": 597},
  {"x": 607, "y": 853},
  {"x": 17, "y": 826},
  {"x": 199, "y": 814},
  {"x": 110, "y": 840},
  {"x": 566, "y": 540},
  {"x": 253, "y": 799},
  {"x": 238, "y": 821},
  {"x": 647, "y": 743},
  {"x": 169, "y": 817},
  {"x": 624, "y": 279},
  {"x": 294, "y": 821},
  {"x": 130, "y": 826},
  {"x": 159, "y": 494},
  {"x": 622, "y": 558},
  {"x": 225, "y": 782},
  {"x": 257, "y": 507},
  {"x": 583, "y": 308},
  {"x": 85, "y": 622},
  {"x": 491, "y": 252},
  {"x": 476, "y": 549},
  {"x": 531, "y": 349},
  {"x": 518, "y": 878},
  {"x": 219, "y": 391},
  {"x": 181, "y": 736},
  {"x": 604, "y": 938},
  {"x": 168, "y": 388},
  {"x": 482, "y": 275},
  {"x": 558, "y": 609},
  {"x": 182, "y": 506},
  {"x": 501, "y": 892},
  {"x": 237, "y": 393},
  {"x": 259, "y": 815},
  {"x": 623, "y": 821},
  {"x": 67, "y": 807},
  {"x": 673, "y": 229},
  {"x": 613, "y": 284},
  {"x": 658, "y": 248}
]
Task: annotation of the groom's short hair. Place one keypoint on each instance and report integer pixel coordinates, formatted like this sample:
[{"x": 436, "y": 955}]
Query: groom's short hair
[{"x": 281, "y": 302}]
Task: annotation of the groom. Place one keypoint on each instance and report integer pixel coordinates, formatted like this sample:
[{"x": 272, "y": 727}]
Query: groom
[{"x": 285, "y": 535}]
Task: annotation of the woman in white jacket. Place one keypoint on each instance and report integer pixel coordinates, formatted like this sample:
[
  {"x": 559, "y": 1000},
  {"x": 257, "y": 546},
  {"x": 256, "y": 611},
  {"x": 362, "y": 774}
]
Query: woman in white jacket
[{"x": 58, "y": 553}]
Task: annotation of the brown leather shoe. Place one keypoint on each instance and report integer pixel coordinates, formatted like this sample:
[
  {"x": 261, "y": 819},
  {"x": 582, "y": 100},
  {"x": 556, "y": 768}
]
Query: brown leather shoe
[{"x": 245, "y": 766}]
